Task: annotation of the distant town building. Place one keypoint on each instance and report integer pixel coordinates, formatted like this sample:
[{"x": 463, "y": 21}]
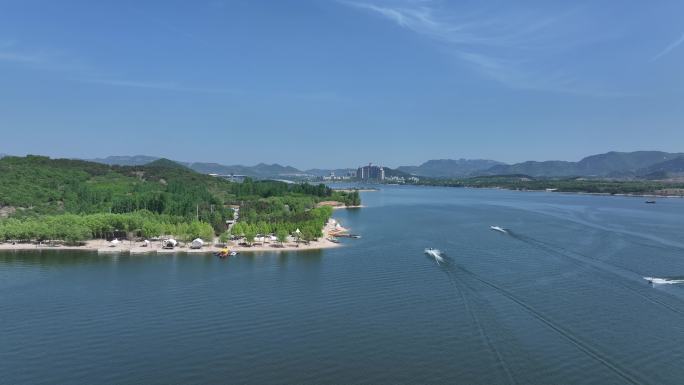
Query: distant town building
[
  {"x": 230, "y": 177},
  {"x": 332, "y": 177},
  {"x": 370, "y": 172}
]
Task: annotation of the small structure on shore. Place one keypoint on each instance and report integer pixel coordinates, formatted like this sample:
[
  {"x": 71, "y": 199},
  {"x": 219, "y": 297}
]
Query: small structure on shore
[
  {"x": 197, "y": 243},
  {"x": 115, "y": 242},
  {"x": 169, "y": 243}
]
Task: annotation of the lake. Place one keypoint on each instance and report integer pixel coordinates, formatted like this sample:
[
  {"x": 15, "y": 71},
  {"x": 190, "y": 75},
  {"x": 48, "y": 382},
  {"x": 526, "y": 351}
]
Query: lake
[{"x": 559, "y": 299}]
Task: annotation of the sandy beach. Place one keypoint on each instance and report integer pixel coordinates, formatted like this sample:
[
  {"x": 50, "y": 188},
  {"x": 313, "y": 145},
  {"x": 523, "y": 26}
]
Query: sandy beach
[
  {"x": 337, "y": 205},
  {"x": 104, "y": 247},
  {"x": 349, "y": 190}
]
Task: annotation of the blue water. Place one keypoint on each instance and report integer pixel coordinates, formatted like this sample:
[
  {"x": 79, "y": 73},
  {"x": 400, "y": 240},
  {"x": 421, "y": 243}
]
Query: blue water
[{"x": 558, "y": 300}]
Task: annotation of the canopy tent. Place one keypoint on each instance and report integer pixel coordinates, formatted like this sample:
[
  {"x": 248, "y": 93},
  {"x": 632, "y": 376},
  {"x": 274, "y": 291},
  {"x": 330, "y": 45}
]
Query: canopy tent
[
  {"x": 169, "y": 243},
  {"x": 197, "y": 243}
]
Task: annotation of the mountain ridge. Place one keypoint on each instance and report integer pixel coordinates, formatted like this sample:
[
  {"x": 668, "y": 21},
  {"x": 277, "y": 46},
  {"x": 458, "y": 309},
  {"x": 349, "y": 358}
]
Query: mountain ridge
[
  {"x": 669, "y": 168},
  {"x": 610, "y": 164},
  {"x": 613, "y": 164},
  {"x": 260, "y": 170},
  {"x": 449, "y": 167}
]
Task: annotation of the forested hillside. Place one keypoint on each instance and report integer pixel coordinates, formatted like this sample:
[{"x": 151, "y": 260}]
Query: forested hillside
[{"x": 162, "y": 197}]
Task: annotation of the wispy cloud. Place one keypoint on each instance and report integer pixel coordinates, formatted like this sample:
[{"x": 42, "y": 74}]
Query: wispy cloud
[
  {"x": 17, "y": 57},
  {"x": 421, "y": 17},
  {"x": 164, "y": 86},
  {"x": 10, "y": 52},
  {"x": 669, "y": 48},
  {"x": 75, "y": 69},
  {"x": 42, "y": 59},
  {"x": 510, "y": 49}
]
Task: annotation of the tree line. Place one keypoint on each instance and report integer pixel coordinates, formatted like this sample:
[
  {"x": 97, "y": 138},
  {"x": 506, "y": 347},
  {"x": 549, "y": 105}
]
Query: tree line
[
  {"x": 309, "y": 223},
  {"x": 602, "y": 186},
  {"x": 74, "y": 228}
]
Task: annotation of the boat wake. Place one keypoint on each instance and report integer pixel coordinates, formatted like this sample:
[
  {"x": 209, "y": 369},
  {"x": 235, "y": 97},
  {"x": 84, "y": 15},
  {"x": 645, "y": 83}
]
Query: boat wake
[
  {"x": 586, "y": 347},
  {"x": 461, "y": 289},
  {"x": 582, "y": 345},
  {"x": 623, "y": 274}
]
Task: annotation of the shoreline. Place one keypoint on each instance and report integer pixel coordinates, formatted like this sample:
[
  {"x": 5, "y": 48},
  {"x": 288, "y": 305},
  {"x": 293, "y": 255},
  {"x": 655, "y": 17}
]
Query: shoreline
[
  {"x": 631, "y": 195},
  {"x": 102, "y": 246},
  {"x": 336, "y": 205},
  {"x": 347, "y": 207},
  {"x": 349, "y": 190}
]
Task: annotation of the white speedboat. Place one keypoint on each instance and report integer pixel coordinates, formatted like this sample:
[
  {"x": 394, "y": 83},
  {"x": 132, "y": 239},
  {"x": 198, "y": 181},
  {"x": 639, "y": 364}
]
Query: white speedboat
[
  {"x": 499, "y": 229},
  {"x": 663, "y": 281},
  {"x": 435, "y": 253}
]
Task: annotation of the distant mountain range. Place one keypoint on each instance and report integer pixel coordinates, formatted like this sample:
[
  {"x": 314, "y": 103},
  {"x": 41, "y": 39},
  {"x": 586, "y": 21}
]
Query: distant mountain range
[
  {"x": 450, "y": 168},
  {"x": 135, "y": 160},
  {"x": 637, "y": 164},
  {"x": 611, "y": 164},
  {"x": 260, "y": 170},
  {"x": 667, "y": 169}
]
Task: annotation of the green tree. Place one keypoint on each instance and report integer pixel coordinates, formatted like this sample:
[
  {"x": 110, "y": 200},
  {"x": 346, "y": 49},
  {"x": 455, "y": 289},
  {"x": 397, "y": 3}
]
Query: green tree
[
  {"x": 250, "y": 233},
  {"x": 224, "y": 237},
  {"x": 263, "y": 229},
  {"x": 282, "y": 235},
  {"x": 238, "y": 229}
]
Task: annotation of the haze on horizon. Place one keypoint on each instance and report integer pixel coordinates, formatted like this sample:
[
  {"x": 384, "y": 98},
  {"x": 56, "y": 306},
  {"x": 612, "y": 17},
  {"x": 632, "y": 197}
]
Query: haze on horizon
[{"x": 338, "y": 83}]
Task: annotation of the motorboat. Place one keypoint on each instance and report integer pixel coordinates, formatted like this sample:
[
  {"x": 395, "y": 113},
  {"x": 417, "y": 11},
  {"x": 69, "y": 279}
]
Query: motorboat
[
  {"x": 226, "y": 253},
  {"x": 663, "y": 281},
  {"x": 434, "y": 253},
  {"x": 499, "y": 229}
]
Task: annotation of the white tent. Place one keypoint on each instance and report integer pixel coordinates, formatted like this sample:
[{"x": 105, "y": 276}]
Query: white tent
[
  {"x": 169, "y": 243},
  {"x": 114, "y": 242},
  {"x": 196, "y": 243}
]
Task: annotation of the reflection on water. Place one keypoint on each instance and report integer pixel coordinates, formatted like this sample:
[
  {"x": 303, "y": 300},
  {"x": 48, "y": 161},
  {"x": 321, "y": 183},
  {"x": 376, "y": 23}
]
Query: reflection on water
[
  {"x": 306, "y": 257},
  {"x": 52, "y": 257}
]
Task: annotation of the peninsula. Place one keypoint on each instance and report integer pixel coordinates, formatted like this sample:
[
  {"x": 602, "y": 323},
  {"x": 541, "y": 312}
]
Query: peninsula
[{"x": 79, "y": 204}]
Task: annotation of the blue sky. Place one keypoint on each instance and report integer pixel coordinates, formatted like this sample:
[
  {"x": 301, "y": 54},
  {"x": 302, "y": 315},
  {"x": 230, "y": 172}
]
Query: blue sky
[{"x": 328, "y": 83}]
